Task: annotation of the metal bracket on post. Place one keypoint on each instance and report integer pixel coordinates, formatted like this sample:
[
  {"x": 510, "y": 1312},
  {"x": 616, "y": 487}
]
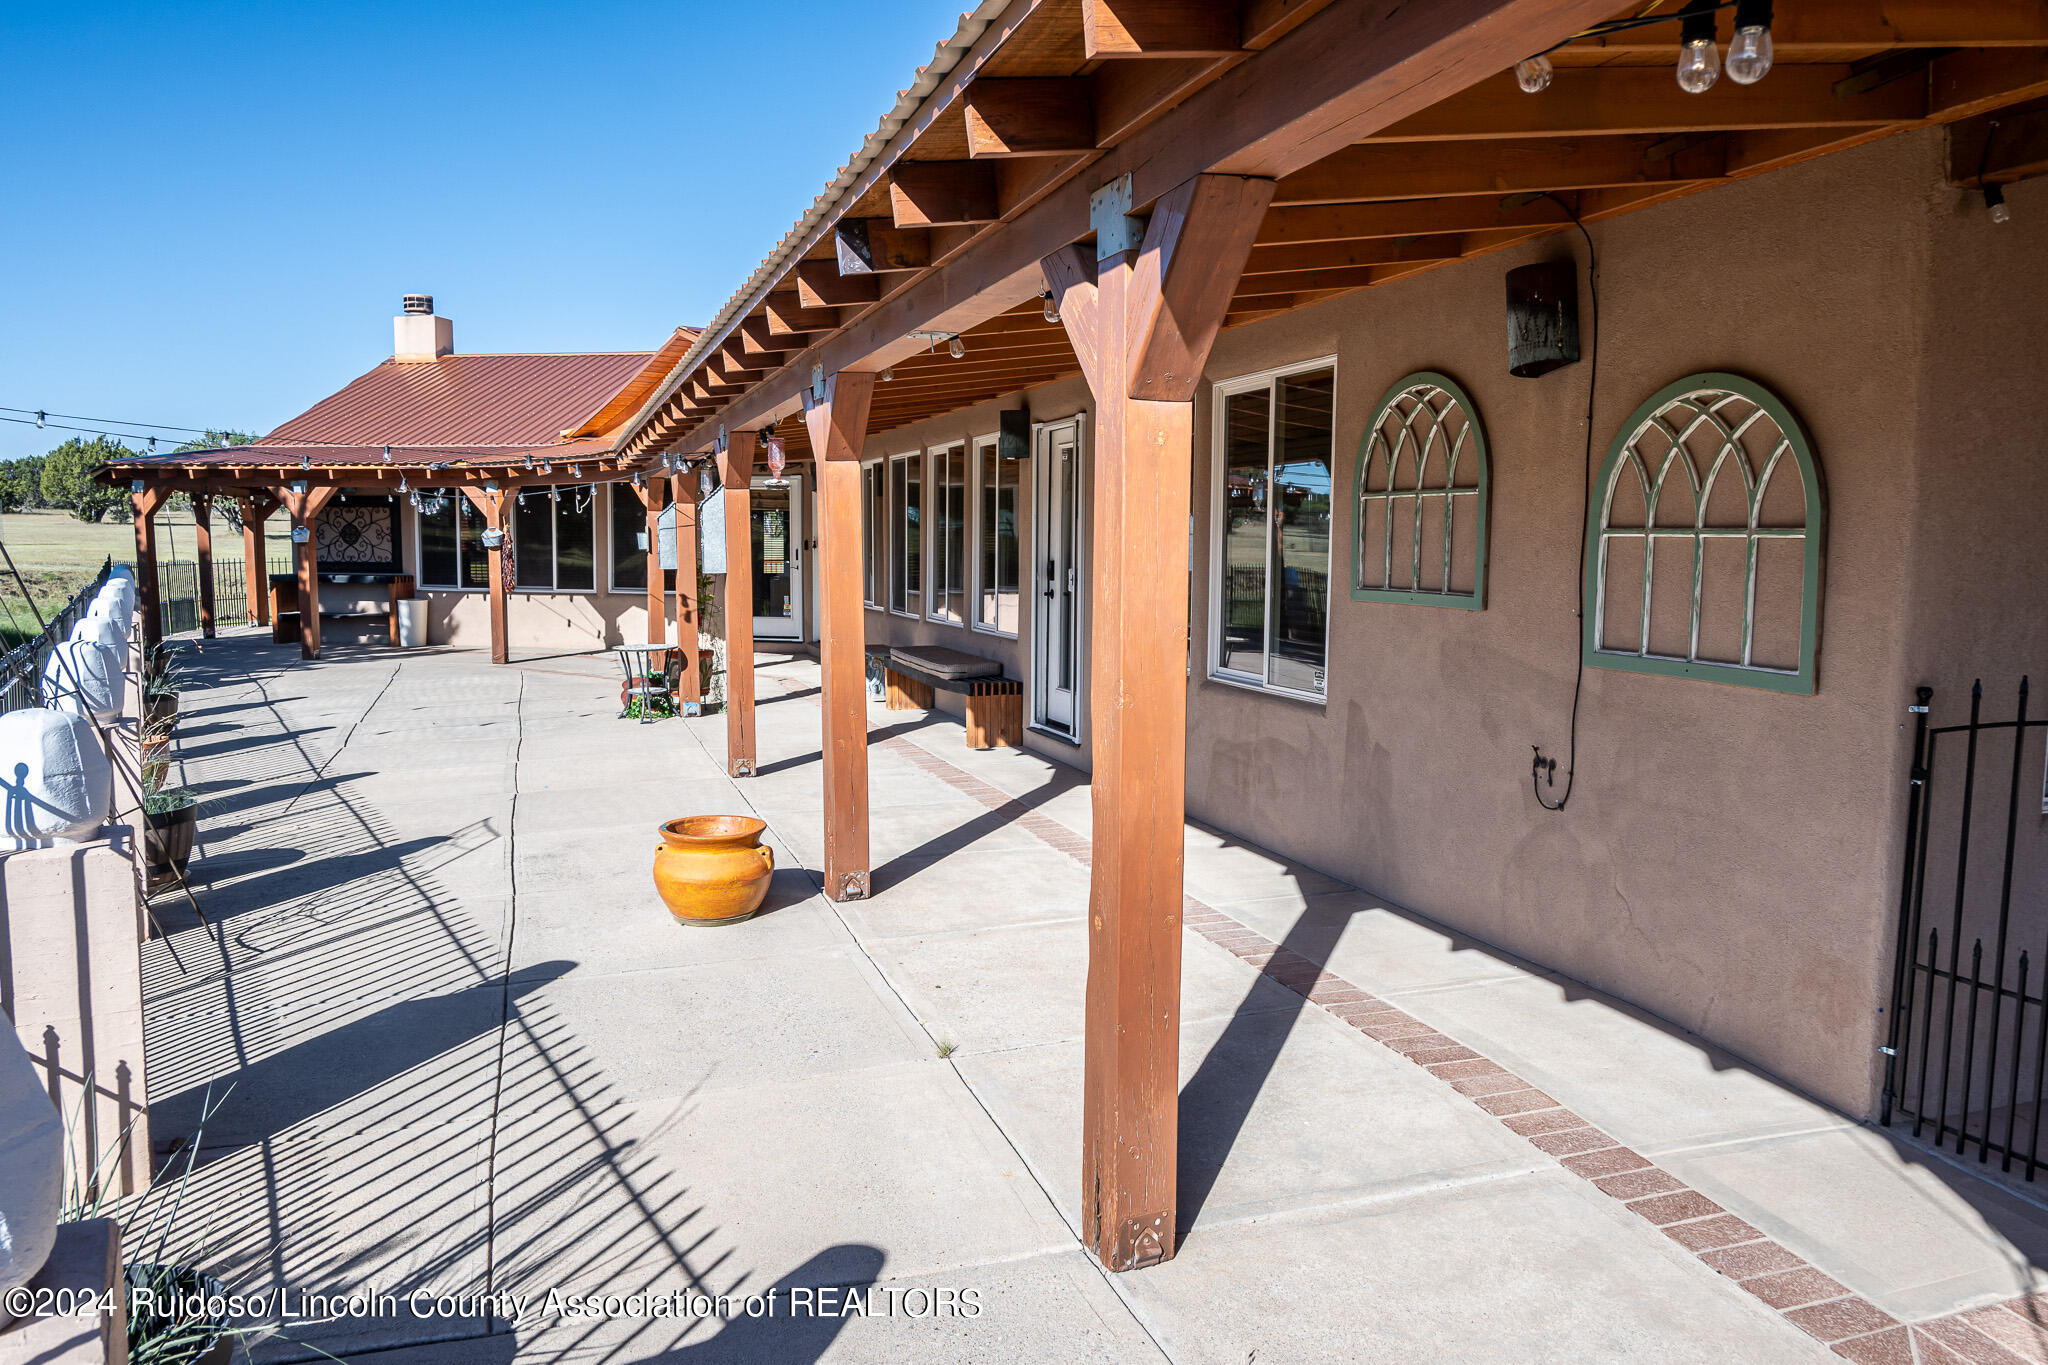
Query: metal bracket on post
[
  {"x": 853, "y": 886},
  {"x": 1141, "y": 1242},
  {"x": 721, "y": 438},
  {"x": 1109, "y": 213},
  {"x": 742, "y": 768}
]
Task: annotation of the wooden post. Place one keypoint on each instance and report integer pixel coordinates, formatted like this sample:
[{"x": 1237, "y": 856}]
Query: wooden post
[
  {"x": 836, "y": 413},
  {"x": 491, "y": 502},
  {"x": 1142, "y": 322},
  {"x": 654, "y": 496},
  {"x": 148, "y": 593},
  {"x": 202, "y": 535},
  {"x": 305, "y": 511},
  {"x": 689, "y": 617},
  {"x": 736, "y": 470},
  {"x": 255, "y": 559}
]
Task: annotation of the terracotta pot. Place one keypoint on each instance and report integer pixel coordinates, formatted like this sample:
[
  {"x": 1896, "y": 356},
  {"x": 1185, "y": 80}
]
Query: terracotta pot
[
  {"x": 712, "y": 869},
  {"x": 159, "y": 709}
]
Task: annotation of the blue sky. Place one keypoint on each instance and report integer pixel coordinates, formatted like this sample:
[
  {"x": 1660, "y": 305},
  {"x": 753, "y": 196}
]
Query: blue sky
[{"x": 212, "y": 209}]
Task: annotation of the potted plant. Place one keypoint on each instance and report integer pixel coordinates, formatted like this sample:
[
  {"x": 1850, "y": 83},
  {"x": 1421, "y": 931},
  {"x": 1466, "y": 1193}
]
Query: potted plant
[
  {"x": 160, "y": 687},
  {"x": 170, "y": 817},
  {"x": 156, "y": 740}
]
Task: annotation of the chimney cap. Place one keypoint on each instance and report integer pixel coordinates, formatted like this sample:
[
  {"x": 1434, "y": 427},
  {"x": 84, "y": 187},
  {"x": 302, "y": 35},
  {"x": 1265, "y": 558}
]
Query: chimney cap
[{"x": 419, "y": 303}]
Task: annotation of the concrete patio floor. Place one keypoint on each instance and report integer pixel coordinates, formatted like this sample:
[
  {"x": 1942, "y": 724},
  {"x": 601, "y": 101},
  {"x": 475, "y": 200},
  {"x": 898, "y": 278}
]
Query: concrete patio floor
[{"x": 442, "y": 1037}]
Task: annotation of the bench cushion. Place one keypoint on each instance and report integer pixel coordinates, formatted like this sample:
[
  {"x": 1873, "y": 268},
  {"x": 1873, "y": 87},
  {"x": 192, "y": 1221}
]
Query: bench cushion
[{"x": 951, "y": 664}]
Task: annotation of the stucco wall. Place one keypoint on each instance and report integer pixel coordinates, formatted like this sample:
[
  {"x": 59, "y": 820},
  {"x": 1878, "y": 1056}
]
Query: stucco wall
[{"x": 1728, "y": 857}]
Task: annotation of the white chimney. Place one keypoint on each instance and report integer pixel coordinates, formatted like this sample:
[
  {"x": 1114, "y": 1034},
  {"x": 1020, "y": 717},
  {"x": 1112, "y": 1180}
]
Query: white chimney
[{"x": 418, "y": 334}]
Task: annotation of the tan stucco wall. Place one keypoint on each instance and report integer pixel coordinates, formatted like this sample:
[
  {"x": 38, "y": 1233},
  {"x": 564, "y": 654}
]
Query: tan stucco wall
[{"x": 1729, "y": 856}]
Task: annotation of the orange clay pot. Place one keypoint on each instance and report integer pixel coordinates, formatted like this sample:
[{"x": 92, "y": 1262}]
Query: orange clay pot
[{"x": 712, "y": 869}]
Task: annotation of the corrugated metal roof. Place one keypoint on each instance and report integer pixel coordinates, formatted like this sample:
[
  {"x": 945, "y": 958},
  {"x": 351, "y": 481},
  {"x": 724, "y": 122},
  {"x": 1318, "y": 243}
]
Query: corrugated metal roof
[{"x": 466, "y": 400}]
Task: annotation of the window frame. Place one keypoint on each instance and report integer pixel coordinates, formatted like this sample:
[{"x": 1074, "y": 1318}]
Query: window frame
[
  {"x": 616, "y": 488},
  {"x": 458, "y": 500},
  {"x": 874, "y": 531},
  {"x": 554, "y": 543},
  {"x": 1803, "y": 680},
  {"x": 981, "y": 448},
  {"x": 1219, "y": 392},
  {"x": 899, "y": 542},
  {"x": 933, "y": 456},
  {"x": 1475, "y": 600}
]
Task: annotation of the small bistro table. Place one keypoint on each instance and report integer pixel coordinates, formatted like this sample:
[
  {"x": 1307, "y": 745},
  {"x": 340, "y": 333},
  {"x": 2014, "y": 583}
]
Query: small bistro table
[{"x": 643, "y": 679}]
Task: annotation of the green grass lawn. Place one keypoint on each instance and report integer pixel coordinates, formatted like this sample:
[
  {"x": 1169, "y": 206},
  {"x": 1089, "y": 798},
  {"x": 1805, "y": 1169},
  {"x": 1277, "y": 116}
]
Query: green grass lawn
[{"x": 58, "y": 554}]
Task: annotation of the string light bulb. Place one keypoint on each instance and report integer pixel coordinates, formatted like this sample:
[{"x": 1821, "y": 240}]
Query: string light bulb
[
  {"x": 387, "y": 454},
  {"x": 1052, "y": 307},
  {"x": 1533, "y": 74},
  {"x": 956, "y": 348},
  {"x": 1750, "y": 52},
  {"x": 889, "y": 375},
  {"x": 1699, "y": 61},
  {"x": 1994, "y": 203}
]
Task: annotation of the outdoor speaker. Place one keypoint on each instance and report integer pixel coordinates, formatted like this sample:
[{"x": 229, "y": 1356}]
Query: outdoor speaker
[
  {"x": 1013, "y": 434},
  {"x": 1543, "y": 317}
]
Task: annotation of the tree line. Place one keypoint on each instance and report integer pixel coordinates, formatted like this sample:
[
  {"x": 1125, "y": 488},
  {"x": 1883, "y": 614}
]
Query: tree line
[{"x": 63, "y": 476}]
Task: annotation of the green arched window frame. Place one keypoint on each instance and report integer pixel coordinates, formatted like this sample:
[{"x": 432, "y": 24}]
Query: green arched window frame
[
  {"x": 1427, "y": 423},
  {"x": 1732, "y": 407}
]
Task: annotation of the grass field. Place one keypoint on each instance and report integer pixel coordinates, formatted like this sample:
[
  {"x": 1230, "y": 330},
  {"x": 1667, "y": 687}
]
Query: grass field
[{"x": 58, "y": 554}]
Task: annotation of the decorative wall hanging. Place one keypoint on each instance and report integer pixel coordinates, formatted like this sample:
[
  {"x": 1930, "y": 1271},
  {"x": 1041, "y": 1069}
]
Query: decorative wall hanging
[
  {"x": 1419, "y": 514},
  {"x": 361, "y": 535},
  {"x": 1704, "y": 540}
]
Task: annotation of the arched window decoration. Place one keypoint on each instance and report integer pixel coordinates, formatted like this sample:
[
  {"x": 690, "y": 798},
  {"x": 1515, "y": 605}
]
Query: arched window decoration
[
  {"x": 1420, "y": 510},
  {"x": 1703, "y": 549}
]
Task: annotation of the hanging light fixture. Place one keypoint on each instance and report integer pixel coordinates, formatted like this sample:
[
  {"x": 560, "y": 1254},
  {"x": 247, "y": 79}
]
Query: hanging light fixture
[
  {"x": 704, "y": 479},
  {"x": 1699, "y": 61},
  {"x": 403, "y": 487},
  {"x": 1533, "y": 73},
  {"x": 1749, "y": 52},
  {"x": 778, "y": 459},
  {"x": 575, "y": 471}
]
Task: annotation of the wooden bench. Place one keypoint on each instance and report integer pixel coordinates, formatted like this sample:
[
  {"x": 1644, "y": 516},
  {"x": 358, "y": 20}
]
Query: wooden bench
[
  {"x": 995, "y": 704},
  {"x": 284, "y": 601}
]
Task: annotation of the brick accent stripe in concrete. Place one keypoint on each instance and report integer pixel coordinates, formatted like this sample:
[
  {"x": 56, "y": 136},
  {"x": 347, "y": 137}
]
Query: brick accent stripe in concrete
[{"x": 2011, "y": 1333}]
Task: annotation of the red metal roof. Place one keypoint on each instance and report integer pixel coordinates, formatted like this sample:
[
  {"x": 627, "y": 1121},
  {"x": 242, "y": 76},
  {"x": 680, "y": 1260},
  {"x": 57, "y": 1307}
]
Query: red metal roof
[
  {"x": 466, "y": 400},
  {"x": 267, "y": 454}
]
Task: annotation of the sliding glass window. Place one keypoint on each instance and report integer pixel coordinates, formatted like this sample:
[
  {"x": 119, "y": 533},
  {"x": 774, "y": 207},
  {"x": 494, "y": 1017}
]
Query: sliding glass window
[
  {"x": 997, "y": 480},
  {"x": 949, "y": 535},
  {"x": 1270, "y": 560}
]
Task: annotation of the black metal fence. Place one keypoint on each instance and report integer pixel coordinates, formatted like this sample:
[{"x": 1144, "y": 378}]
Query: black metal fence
[
  {"x": 21, "y": 671},
  {"x": 178, "y": 591},
  {"x": 1967, "y": 1048}
]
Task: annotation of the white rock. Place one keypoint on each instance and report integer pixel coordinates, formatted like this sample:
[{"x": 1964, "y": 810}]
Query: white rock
[
  {"x": 57, "y": 783},
  {"x": 31, "y": 1166},
  {"x": 85, "y": 678}
]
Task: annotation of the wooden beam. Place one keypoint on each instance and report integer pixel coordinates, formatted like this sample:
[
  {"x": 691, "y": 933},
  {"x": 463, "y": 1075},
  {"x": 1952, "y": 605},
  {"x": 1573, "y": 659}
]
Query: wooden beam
[
  {"x": 653, "y": 496},
  {"x": 772, "y": 348},
  {"x": 869, "y": 246},
  {"x": 1440, "y": 246},
  {"x": 820, "y": 285},
  {"x": 1411, "y": 170},
  {"x": 492, "y": 502},
  {"x": 788, "y": 316},
  {"x": 736, "y": 472},
  {"x": 1593, "y": 101},
  {"x": 837, "y": 423},
  {"x": 689, "y": 617},
  {"x": 148, "y": 592},
  {"x": 1141, "y": 324},
  {"x": 1998, "y": 151},
  {"x": 1965, "y": 84},
  {"x": 1405, "y": 218},
  {"x": 1046, "y": 115},
  {"x": 937, "y": 193},
  {"x": 305, "y": 512},
  {"x": 1816, "y": 30},
  {"x": 1159, "y": 28},
  {"x": 1345, "y": 73},
  {"x": 202, "y": 535},
  {"x": 256, "y": 507}
]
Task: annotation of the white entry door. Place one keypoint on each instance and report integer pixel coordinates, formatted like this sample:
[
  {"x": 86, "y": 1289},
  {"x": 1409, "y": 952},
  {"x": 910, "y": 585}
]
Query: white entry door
[
  {"x": 1059, "y": 599},
  {"x": 778, "y": 555}
]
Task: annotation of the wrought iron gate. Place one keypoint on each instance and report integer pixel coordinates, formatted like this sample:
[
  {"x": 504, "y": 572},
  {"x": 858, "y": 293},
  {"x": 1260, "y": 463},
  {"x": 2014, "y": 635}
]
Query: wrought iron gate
[{"x": 1967, "y": 1050}]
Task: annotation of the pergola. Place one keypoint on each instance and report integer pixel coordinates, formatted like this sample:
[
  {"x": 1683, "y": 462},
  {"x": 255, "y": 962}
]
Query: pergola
[{"x": 1098, "y": 187}]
